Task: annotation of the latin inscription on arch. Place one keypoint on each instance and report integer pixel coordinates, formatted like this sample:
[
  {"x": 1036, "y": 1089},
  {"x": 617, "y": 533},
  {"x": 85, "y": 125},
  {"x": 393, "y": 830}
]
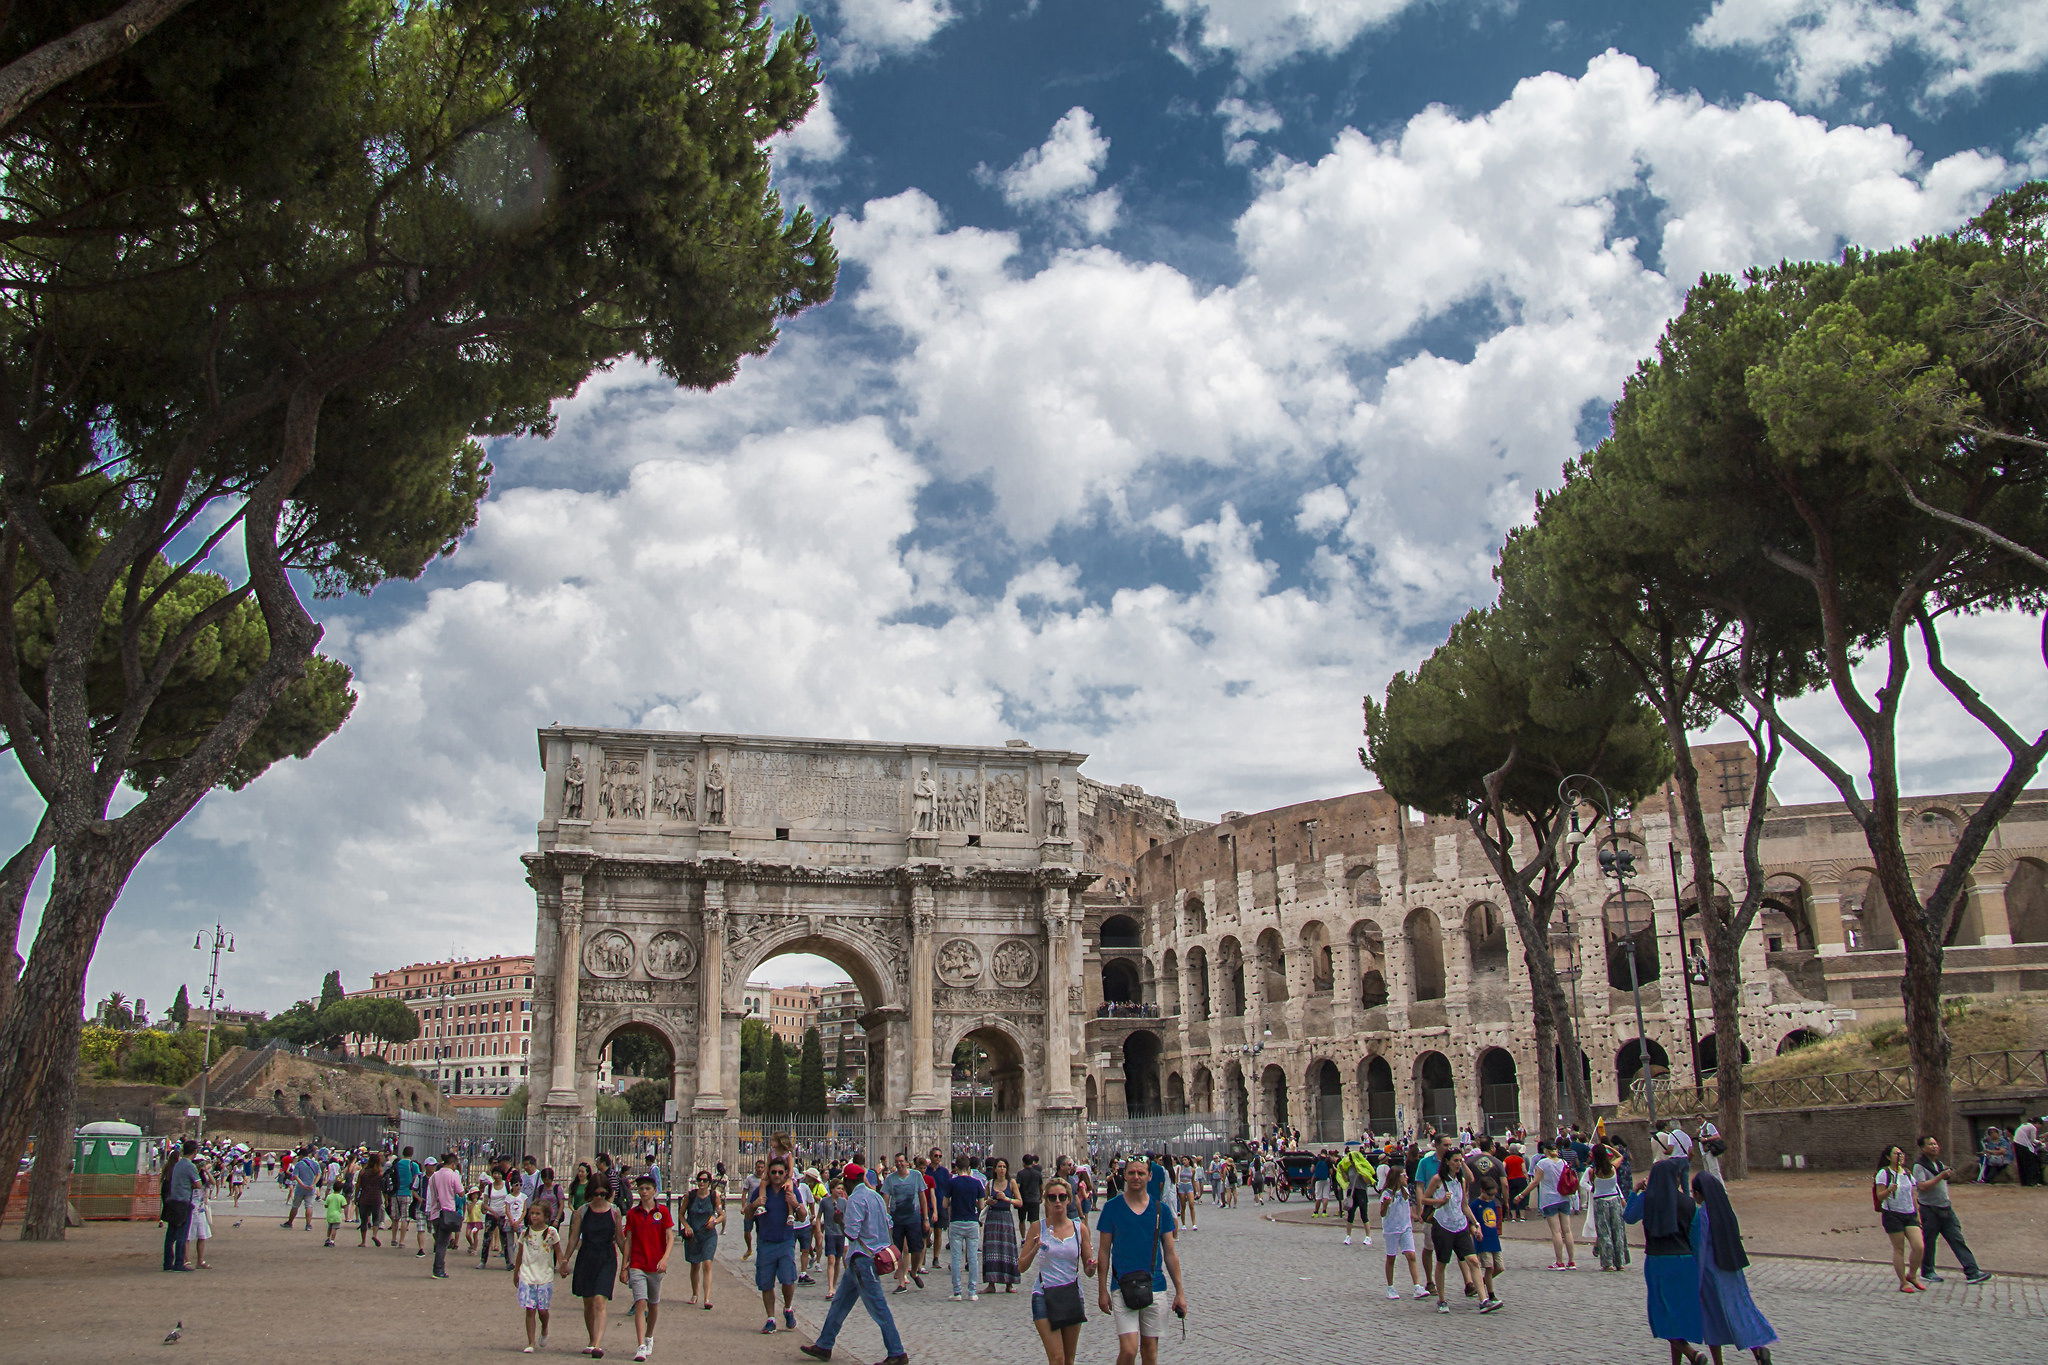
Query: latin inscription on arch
[{"x": 780, "y": 788}]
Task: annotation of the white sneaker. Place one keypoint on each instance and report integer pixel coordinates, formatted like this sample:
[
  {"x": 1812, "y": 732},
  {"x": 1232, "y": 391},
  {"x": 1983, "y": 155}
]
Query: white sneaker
[
  {"x": 1347, "y": 1239},
  {"x": 543, "y": 1341},
  {"x": 1367, "y": 1240},
  {"x": 974, "y": 1298},
  {"x": 1393, "y": 1293},
  {"x": 1421, "y": 1292},
  {"x": 641, "y": 1354},
  {"x": 952, "y": 1298}
]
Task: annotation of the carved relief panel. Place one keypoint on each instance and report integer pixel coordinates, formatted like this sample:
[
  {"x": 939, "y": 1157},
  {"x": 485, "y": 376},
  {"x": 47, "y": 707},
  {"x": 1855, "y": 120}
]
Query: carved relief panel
[
  {"x": 959, "y": 962},
  {"x": 622, "y": 789},
  {"x": 959, "y": 800},
  {"x": 675, "y": 787},
  {"x": 608, "y": 954},
  {"x": 1006, "y": 807},
  {"x": 1015, "y": 963},
  {"x": 820, "y": 790}
]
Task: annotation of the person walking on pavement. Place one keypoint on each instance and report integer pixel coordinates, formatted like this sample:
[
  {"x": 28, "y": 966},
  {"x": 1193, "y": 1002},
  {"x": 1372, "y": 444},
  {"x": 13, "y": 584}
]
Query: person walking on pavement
[
  {"x": 444, "y": 1210},
  {"x": 1710, "y": 1146},
  {"x": 1355, "y": 1182},
  {"x": 1137, "y": 1257},
  {"x": 1938, "y": 1221},
  {"x": 868, "y": 1229},
  {"x": 593, "y": 1256},
  {"x": 1728, "y": 1316},
  {"x": 773, "y": 1209},
  {"x": 963, "y": 1194},
  {"x": 1060, "y": 1246},
  {"x": 180, "y": 1192},
  {"x": 1898, "y": 1207},
  {"x": 303, "y": 1177}
]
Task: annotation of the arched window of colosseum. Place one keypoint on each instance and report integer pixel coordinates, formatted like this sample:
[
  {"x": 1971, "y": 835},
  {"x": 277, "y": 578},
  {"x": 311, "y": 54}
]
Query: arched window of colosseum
[
  {"x": 1867, "y": 916},
  {"x": 1932, "y": 826},
  {"x": 1631, "y": 930},
  {"x": 1710, "y": 1054},
  {"x": 1965, "y": 930},
  {"x": 1500, "y": 1092},
  {"x": 2026, "y": 901},
  {"x": 1364, "y": 884},
  {"x": 1322, "y": 972},
  {"x": 1486, "y": 938},
  {"x": 1168, "y": 992},
  {"x": 1376, "y": 1078},
  {"x": 1194, "y": 918},
  {"x": 1122, "y": 931},
  {"x": 1120, "y": 985},
  {"x": 1202, "y": 1093},
  {"x": 1273, "y": 1096},
  {"x": 1273, "y": 962},
  {"x": 1141, "y": 1073},
  {"x": 1372, "y": 964},
  {"x": 1785, "y": 918},
  {"x": 1088, "y": 1097},
  {"x": 1326, "y": 1093},
  {"x": 1796, "y": 1039},
  {"x": 1176, "y": 1094},
  {"x": 1198, "y": 984},
  {"x": 1230, "y": 962},
  {"x": 1628, "y": 1062},
  {"x": 1426, "y": 954},
  {"x": 1236, "y": 1099},
  {"x": 1437, "y": 1090}
]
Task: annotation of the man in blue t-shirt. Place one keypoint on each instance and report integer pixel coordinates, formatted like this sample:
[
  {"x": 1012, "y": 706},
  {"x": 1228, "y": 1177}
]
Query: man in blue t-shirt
[
  {"x": 305, "y": 1180},
  {"x": 771, "y": 1207},
  {"x": 1137, "y": 1234},
  {"x": 406, "y": 1195},
  {"x": 963, "y": 1193}
]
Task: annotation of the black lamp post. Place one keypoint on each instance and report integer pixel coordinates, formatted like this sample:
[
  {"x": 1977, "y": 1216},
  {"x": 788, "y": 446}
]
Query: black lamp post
[{"x": 1620, "y": 863}]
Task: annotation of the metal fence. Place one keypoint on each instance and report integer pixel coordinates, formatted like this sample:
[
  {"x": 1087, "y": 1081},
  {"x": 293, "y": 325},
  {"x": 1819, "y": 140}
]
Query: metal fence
[
  {"x": 2021, "y": 1069},
  {"x": 1200, "y": 1135}
]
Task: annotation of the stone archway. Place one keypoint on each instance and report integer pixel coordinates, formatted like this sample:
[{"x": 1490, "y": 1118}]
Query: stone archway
[{"x": 941, "y": 878}]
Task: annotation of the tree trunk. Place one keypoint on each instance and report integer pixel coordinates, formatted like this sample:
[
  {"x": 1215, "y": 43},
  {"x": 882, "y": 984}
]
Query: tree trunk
[
  {"x": 49, "y": 1186},
  {"x": 1927, "y": 1039},
  {"x": 39, "y": 1033},
  {"x": 1545, "y": 1032},
  {"x": 1725, "y": 985}
]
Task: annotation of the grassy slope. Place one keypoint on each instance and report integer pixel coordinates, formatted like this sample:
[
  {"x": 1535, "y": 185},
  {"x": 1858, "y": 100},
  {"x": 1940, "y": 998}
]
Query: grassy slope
[{"x": 1992, "y": 1026}]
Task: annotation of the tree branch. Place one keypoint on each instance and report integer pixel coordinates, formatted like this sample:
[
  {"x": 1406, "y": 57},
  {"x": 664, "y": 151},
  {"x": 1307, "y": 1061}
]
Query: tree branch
[{"x": 35, "y": 74}]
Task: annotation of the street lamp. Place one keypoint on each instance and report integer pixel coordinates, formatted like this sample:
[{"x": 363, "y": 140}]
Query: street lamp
[
  {"x": 1696, "y": 975},
  {"x": 1619, "y": 862},
  {"x": 222, "y": 939}
]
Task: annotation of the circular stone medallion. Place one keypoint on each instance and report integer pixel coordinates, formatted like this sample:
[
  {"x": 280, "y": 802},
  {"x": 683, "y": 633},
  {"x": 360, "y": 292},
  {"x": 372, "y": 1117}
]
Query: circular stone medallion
[
  {"x": 670, "y": 956},
  {"x": 1015, "y": 963},
  {"x": 959, "y": 962},
  {"x": 608, "y": 954}
]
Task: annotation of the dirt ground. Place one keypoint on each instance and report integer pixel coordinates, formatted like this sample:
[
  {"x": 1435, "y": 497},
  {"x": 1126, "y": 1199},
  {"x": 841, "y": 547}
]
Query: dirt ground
[
  {"x": 1827, "y": 1214},
  {"x": 273, "y": 1295}
]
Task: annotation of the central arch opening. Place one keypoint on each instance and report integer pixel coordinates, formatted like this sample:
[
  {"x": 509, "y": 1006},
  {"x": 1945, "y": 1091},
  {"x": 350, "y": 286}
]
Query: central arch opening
[
  {"x": 1437, "y": 1089},
  {"x": 1378, "y": 1078},
  {"x": 808, "y": 1054},
  {"x": 1328, "y": 1089},
  {"x": 1500, "y": 1096},
  {"x": 1141, "y": 1073}
]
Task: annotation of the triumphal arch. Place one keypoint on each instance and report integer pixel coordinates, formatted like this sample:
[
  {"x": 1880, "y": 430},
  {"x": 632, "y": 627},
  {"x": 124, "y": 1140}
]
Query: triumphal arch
[{"x": 940, "y": 877}]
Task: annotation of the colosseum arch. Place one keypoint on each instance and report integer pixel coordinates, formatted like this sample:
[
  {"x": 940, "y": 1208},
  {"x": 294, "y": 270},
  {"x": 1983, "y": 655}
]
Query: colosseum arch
[
  {"x": 1376, "y": 1083},
  {"x": 1176, "y": 1094},
  {"x": 1230, "y": 963},
  {"x": 1486, "y": 941},
  {"x": 1202, "y": 1092},
  {"x": 1315, "y": 943},
  {"x": 1425, "y": 955},
  {"x": 1436, "y": 1089},
  {"x": 1273, "y": 1096},
  {"x": 1167, "y": 996},
  {"x": 1198, "y": 1002},
  {"x": 2026, "y": 901},
  {"x": 1866, "y": 914},
  {"x": 1272, "y": 965},
  {"x": 1121, "y": 931},
  {"x": 1629, "y": 922},
  {"x": 1323, "y": 1085},
  {"x": 1194, "y": 918},
  {"x": 1500, "y": 1092},
  {"x": 1370, "y": 943},
  {"x": 1786, "y": 914},
  {"x": 1236, "y": 1099}
]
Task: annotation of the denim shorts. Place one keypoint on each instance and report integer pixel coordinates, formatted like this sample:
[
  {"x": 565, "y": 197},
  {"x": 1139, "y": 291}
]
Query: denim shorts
[{"x": 774, "y": 1261}]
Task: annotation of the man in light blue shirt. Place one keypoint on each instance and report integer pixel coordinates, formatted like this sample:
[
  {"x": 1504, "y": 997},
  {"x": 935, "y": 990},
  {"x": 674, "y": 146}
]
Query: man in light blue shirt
[
  {"x": 867, "y": 1236},
  {"x": 305, "y": 1174}
]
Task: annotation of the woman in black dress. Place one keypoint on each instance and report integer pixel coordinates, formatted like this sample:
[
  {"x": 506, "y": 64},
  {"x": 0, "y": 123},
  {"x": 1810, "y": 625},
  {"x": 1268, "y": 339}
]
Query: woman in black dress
[
  {"x": 370, "y": 1200},
  {"x": 596, "y": 1248}
]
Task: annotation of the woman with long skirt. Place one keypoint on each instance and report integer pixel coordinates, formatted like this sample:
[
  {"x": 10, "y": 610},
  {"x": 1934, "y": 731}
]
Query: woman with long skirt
[
  {"x": 999, "y": 1229},
  {"x": 1671, "y": 1274},
  {"x": 1728, "y": 1314}
]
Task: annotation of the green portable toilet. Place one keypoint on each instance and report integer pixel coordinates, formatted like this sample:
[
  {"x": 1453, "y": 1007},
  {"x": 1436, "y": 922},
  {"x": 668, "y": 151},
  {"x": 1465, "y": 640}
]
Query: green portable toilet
[{"x": 107, "y": 1148}]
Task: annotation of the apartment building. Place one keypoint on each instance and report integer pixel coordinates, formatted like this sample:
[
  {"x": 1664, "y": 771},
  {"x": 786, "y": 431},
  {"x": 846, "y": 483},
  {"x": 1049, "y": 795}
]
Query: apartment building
[{"x": 476, "y": 1021}]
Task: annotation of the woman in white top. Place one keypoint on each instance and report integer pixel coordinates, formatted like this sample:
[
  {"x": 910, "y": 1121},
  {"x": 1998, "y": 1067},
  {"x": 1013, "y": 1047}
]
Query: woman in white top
[
  {"x": 1068, "y": 1255},
  {"x": 1453, "y": 1236},
  {"x": 1898, "y": 1208}
]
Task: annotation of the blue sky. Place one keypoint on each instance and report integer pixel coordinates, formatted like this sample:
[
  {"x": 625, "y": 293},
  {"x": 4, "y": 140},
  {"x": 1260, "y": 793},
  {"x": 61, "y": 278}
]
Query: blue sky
[{"x": 1189, "y": 360}]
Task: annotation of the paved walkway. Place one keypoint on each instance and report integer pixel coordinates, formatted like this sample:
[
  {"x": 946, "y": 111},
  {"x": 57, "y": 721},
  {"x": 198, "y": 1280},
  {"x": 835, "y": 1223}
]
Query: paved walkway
[{"x": 1263, "y": 1291}]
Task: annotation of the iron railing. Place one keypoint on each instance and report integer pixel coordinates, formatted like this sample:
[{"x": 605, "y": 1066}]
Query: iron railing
[{"x": 1974, "y": 1071}]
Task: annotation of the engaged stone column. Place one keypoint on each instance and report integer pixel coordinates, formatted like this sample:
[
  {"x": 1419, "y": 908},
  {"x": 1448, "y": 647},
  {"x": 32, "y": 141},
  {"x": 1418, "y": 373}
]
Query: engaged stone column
[
  {"x": 562, "y": 1110},
  {"x": 1398, "y": 969},
  {"x": 1059, "y": 1013},
  {"x": 924, "y": 915},
  {"x": 711, "y": 1001},
  {"x": 1829, "y": 940},
  {"x": 1344, "y": 990}
]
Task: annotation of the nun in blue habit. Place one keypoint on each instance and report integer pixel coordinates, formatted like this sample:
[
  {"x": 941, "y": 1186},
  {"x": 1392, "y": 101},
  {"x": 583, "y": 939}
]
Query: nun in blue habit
[
  {"x": 1671, "y": 1273},
  {"x": 1727, "y": 1313}
]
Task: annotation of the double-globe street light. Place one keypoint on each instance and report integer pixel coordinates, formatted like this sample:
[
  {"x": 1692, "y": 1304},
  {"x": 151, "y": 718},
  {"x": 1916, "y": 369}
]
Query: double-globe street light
[
  {"x": 221, "y": 941},
  {"x": 1620, "y": 862}
]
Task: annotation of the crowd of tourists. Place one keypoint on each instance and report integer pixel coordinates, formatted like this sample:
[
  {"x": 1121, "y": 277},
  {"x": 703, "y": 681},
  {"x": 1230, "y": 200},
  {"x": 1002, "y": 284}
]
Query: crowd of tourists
[{"x": 866, "y": 1231}]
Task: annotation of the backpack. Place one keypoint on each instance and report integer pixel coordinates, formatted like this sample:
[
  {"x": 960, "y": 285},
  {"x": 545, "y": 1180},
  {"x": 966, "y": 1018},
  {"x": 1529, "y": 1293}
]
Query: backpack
[
  {"x": 1879, "y": 1189},
  {"x": 1568, "y": 1181}
]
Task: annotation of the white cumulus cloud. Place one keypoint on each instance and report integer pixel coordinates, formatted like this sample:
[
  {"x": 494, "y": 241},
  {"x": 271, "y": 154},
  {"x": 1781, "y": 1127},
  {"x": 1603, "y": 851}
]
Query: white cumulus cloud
[
  {"x": 1261, "y": 34},
  {"x": 1819, "y": 44},
  {"x": 1058, "y": 175}
]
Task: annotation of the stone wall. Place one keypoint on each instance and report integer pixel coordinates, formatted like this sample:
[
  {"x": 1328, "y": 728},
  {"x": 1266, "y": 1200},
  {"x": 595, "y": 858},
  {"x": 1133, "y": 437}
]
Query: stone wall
[{"x": 1849, "y": 1137}]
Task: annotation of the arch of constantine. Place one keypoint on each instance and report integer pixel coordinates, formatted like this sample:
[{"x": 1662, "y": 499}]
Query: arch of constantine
[{"x": 940, "y": 878}]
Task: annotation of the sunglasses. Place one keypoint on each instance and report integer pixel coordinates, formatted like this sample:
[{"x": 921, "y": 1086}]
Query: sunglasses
[{"x": 1051, "y": 1197}]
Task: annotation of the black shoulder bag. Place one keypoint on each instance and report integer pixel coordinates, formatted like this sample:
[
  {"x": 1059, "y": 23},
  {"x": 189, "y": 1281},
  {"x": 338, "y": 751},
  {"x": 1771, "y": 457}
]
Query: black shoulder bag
[{"x": 1136, "y": 1286}]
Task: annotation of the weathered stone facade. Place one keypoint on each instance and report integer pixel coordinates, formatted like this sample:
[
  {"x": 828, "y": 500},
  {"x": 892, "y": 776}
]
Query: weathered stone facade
[
  {"x": 1345, "y": 964},
  {"x": 671, "y": 866}
]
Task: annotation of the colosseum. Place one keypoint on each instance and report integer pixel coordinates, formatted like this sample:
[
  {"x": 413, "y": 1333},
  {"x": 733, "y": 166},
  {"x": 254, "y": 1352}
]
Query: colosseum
[{"x": 1347, "y": 965}]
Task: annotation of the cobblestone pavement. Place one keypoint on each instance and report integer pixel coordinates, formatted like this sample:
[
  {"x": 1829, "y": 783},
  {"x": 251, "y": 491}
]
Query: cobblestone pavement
[{"x": 1267, "y": 1292}]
